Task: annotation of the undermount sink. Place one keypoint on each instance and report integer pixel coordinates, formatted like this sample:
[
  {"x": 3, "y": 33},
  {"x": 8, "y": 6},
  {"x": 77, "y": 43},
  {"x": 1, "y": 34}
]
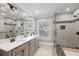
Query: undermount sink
[
  {"x": 20, "y": 36},
  {"x": 7, "y": 41},
  {"x": 3, "y": 41},
  {"x": 7, "y": 45}
]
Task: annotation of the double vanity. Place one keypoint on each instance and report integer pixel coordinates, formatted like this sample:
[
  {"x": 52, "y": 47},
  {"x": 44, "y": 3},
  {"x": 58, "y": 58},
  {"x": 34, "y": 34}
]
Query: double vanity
[{"x": 22, "y": 46}]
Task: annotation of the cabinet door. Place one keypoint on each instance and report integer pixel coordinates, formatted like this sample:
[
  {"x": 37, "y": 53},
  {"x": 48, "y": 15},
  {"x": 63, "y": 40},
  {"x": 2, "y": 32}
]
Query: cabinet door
[
  {"x": 21, "y": 50},
  {"x": 20, "y": 54},
  {"x": 36, "y": 44},
  {"x": 32, "y": 47},
  {"x": 3, "y": 53},
  {"x": 27, "y": 51},
  {"x": 32, "y": 50}
]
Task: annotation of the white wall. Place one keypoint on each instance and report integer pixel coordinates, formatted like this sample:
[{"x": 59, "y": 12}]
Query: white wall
[
  {"x": 64, "y": 17},
  {"x": 53, "y": 29},
  {"x": 76, "y": 11}
]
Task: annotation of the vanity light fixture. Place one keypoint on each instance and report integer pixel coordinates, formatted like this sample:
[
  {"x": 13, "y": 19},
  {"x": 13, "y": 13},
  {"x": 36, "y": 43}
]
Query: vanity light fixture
[{"x": 11, "y": 6}]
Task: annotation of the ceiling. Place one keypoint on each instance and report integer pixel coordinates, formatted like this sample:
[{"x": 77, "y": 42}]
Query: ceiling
[{"x": 47, "y": 9}]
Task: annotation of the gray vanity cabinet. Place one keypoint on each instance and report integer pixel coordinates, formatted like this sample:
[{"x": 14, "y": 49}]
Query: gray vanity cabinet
[
  {"x": 22, "y": 50},
  {"x": 27, "y": 49}
]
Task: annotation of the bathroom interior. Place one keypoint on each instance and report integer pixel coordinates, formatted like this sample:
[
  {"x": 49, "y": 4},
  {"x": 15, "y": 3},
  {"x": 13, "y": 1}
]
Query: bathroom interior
[{"x": 39, "y": 29}]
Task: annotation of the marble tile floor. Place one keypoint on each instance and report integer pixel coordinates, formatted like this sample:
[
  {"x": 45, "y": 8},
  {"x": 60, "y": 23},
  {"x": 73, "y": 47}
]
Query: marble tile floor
[{"x": 46, "y": 49}]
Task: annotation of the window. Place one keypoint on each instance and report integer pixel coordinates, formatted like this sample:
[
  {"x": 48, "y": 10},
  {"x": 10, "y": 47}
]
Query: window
[{"x": 44, "y": 28}]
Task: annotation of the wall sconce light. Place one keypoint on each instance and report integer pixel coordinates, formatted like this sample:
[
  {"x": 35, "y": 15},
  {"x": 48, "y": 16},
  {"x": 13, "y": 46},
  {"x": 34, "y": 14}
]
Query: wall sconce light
[{"x": 12, "y": 7}]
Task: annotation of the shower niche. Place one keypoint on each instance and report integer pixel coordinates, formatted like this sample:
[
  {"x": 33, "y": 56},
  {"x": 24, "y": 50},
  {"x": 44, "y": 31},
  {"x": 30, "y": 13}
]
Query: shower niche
[{"x": 62, "y": 27}]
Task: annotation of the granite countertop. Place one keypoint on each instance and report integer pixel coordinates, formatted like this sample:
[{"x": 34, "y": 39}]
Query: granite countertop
[{"x": 6, "y": 45}]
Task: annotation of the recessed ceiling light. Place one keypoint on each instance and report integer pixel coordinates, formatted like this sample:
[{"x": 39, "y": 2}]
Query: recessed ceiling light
[
  {"x": 67, "y": 9},
  {"x": 36, "y": 11}
]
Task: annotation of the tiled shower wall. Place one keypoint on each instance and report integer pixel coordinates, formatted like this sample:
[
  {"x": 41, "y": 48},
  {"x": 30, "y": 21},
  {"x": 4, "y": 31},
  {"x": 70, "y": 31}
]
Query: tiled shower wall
[{"x": 68, "y": 37}]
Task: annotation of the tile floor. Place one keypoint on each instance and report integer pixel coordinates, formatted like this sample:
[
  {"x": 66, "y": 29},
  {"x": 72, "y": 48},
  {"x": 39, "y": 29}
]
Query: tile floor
[{"x": 46, "y": 49}]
